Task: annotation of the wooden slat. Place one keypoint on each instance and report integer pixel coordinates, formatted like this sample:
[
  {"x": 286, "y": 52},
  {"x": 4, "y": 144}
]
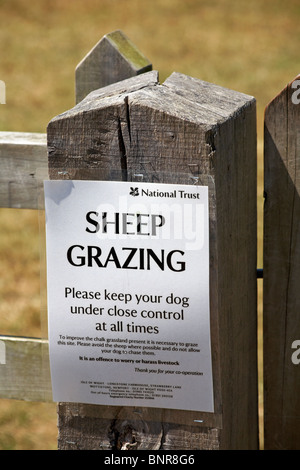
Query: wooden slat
[
  {"x": 282, "y": 269},
  {"x": 24, "y": 369},
  {"x": 112, "y": 59},
  {"x": 21, "y": 155}
]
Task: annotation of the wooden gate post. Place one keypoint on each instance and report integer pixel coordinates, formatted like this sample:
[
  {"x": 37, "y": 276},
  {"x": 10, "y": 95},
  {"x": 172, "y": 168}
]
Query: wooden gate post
[
  {"x": 112, "y": 59},
  {"x": 183, "y": 126},
  {"x": 282, "y": 270}
]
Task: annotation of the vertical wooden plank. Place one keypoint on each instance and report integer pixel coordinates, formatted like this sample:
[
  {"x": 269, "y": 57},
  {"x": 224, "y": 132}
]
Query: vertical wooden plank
[
  {"x": 185, "y": 126},
  {"x": 282, "y": 269},
  {"x": 112, "y": 59}
]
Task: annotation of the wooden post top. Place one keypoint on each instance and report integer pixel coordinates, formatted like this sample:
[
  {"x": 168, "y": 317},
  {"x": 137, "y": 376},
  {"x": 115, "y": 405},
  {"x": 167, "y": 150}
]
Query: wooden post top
[{"x": 112, "y": 59}]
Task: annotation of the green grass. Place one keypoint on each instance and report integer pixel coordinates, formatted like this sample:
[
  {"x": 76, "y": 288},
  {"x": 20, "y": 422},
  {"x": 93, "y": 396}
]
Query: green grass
[{"x": 250, "y": 46}]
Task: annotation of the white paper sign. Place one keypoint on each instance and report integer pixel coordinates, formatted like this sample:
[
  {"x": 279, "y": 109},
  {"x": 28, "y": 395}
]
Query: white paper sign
[{"x": 128, "y": 294}]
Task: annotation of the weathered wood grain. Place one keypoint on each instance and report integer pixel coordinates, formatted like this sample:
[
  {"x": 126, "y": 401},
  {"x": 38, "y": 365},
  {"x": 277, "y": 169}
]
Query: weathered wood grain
[
  {"x": 231, "y": 159},
  {"x": 282, "y": 270},
  {"x": 24, "y": 369},
  {"x": 112, "y": 59},
  {"x": 169, "y": 133},
  {"x": 21, "y": 155}
]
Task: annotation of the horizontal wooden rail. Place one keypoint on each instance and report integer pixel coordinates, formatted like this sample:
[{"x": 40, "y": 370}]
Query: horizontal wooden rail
[
  {"x": 21, "y": 155},
  {"x": 24, "y": 369}
]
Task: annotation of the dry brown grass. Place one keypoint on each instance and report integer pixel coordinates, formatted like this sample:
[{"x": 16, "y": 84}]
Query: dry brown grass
[{"x": 250, "y": 46}]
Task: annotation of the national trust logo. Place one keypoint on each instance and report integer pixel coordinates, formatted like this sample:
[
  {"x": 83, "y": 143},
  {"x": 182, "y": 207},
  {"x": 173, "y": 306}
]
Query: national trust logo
[{"x": 134, "y": 191}]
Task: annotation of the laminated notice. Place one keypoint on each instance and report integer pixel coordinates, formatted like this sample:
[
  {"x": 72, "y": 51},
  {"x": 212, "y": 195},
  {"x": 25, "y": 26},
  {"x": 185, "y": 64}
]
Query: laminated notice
[{"x": 128, "y": 294}]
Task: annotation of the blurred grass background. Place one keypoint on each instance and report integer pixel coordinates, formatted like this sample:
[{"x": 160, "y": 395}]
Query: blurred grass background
[{"x": 250, "y": 46}]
